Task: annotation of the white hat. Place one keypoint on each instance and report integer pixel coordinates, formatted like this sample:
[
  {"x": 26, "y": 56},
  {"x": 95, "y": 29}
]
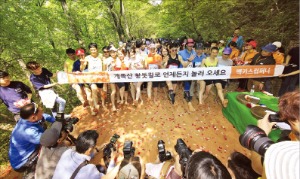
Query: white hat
[
  {"x": 277, "y": 44},
  {"x": 128, "y": 171},
  {"x": 221, "y": 41},
  {"x": 113, "y": 49},
  {"x": 282, "y": 160}
]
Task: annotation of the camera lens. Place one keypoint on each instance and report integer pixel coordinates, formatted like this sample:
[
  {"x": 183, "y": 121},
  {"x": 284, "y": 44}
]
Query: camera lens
[{"x": 255, "y": 139}]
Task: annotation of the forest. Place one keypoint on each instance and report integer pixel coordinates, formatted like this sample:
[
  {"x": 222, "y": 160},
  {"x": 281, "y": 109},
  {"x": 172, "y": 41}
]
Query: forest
[{"x": 41, "y": 30}]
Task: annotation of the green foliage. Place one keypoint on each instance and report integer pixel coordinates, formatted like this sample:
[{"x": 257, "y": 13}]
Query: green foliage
[{"x": 41, "y": 30}]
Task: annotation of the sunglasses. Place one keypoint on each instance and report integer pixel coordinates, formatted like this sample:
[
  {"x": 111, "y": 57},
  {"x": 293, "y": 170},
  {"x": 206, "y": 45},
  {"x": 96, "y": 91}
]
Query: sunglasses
[
  {"x": 36, "y": 107},
  {"x": 174, "y": 50},
  {"x": 225, "y": 54},
  {"x": 105, "y": 51}
]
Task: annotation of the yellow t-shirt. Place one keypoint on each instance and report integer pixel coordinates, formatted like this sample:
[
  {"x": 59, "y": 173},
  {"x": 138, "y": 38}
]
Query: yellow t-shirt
[{"x": 69, "y": 64}]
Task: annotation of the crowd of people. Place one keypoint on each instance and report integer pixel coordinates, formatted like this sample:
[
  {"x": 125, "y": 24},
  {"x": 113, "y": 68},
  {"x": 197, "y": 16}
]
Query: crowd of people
[{"x": 39, "y": 152}]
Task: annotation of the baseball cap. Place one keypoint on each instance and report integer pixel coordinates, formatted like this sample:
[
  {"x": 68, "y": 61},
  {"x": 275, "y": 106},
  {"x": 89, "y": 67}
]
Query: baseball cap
[
  {"x": 227, "y": 51},
  {"x": 199, "y": 46},
  {"x": 50, "y": 136},
  {"x": 190, "y": 42},
  {"x": 128, "y": 171},
  {"x": 79, "y": 51},
  {"x": 113, "y": 49},
  {"x": 277, "y": 44},
  {"x": 269, "y": 48},
  {"x": 253, "y": 43},
  {"x": 221, "y": 41}
]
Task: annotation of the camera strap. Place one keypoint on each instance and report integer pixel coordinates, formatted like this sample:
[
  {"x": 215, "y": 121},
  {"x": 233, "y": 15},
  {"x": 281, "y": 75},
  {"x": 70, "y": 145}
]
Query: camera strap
[
  {"x": 165, "y": 168},
  {"x": 84, "y": 163}
]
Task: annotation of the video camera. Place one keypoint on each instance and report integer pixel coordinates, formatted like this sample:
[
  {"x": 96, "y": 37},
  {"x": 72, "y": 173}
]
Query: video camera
[
  {"x": 162, "y": 153},
  {"x": 184, "y": 154},
  {"x": 67, "y": 123},
  {"x": 128, "y": 149},
  {"x": 254, "y": 138},
  {"x": 108, "y": 147}
]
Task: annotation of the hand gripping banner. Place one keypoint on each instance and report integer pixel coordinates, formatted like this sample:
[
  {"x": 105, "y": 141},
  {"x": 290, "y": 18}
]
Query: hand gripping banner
[{"x": 179, "y": 74}]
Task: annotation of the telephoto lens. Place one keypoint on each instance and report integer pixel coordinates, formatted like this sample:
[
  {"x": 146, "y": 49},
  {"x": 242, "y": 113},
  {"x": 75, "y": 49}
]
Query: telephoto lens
[
  {"x": 255, "y": 139},
  {"x": 184, "y": 154}
]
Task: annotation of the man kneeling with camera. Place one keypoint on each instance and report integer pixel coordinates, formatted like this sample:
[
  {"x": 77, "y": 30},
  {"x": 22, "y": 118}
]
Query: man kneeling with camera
[
  {"x": 53, "y": 146},
  {"x": 74, "y": 163},
  {"x": 282, "y": 159}
]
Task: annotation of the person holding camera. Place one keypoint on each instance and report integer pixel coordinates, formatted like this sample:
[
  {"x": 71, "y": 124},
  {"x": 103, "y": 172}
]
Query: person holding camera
[
  {"x": 24, "y": 144},
  {"x": 190, "y": 165},
  {"x": 75, "y": 163},
  {"x": 288, "y": 112},
  {"x": 53, "y": 146}
]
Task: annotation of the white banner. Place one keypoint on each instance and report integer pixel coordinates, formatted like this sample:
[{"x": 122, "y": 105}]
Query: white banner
[{"x": 179, "y": 74}]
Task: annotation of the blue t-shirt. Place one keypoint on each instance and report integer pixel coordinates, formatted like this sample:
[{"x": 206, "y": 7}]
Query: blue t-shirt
[
  {"x": 185, "y": 54},
  {"x": 198, "y": 60},
  {"x": 76, "y": 66},
  {"x": 24, "y": 140},
  {"x": 39, "y": 81},
  {"x": 12, "y": 93}
]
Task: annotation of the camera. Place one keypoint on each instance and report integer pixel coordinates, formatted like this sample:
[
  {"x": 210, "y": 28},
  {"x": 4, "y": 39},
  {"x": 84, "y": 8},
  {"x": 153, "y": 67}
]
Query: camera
[
  {"x": 162, "y": 153},
  {"x": 128, "y": 149},
  {"x": 108, "y": 147},
  {"x": 255, "y": 139},
  {"x": 184, "y": 154},
  {"x": 274, "y": 118},
  {"x": 67, "y": 123}
]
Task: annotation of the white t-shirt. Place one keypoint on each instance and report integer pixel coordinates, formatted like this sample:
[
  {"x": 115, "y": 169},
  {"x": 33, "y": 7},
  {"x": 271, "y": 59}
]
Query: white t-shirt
[{"x": 94, "y": 64}]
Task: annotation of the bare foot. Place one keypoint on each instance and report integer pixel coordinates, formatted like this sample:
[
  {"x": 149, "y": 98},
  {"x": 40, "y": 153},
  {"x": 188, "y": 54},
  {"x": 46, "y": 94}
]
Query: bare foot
[
  {"x": 126, "y": 102},
  {"x": 114, "y": 108},
  {"x": 225, "y": 103},
  {"x": 142, "y": 102},
  {"x": 121, "y": 102},
  {"x": 135, "y": 102},
  {"x": 191, "y": 108}
]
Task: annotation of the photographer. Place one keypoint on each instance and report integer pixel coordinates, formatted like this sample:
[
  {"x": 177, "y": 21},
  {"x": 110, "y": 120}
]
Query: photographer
[
  {"x": 131, "y": 166},
  {"x": 74, "y": 163},
  {"x": 53, "y": 146},
  {"x": 188, "y": 165},
  {"x": 288, "y": 112},
  {"x": 24, "y": 145}
]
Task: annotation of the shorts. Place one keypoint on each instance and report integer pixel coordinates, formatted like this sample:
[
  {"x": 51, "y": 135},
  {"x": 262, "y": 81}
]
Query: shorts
[
  {"x": 155, "y": 84},
  {"x": 99, "y": 85},
  {"x": 209, "y": 82},
  {"x": 120, "y": 85}
]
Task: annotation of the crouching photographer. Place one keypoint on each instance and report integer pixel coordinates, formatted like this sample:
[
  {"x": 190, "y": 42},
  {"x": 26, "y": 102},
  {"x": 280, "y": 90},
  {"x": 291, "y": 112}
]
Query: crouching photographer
[
  {"x": 75, "y": 163},
  {"x": 55, "y": 141},
  {"x": 194, "y": 165},
  {"x": 279, "y": 159},
  {"x": 131, "y": 165}
]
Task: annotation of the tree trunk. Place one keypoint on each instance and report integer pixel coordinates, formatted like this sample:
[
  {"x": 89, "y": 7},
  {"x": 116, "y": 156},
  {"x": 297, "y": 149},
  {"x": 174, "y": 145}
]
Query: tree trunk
[
  {"x": 72, "y": 23},
  {"x": 122, "y": 9},
  {"x": 116, "y": 19}
]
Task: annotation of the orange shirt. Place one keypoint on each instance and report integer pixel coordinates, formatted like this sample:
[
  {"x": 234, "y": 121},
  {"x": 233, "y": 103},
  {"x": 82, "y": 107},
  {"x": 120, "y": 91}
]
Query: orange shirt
[
  {"x": 279, "y": 57},
  {"x": 153, "y": 60},
  {"x": 234, "y": 54},
  {"x": 248, "y": 55}
]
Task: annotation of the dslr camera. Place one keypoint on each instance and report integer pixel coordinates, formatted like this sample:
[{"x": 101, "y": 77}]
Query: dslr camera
[
  {"x": 184, "y": 154},
  {"x": 274, "y": 117},
  {"x": 108, "y": 147},
  {"x": 128, "y": 149},
  {"x": 254, "y": 138},
  {"x": 67, "y": 123},
  {"x": 162, "y": 153}
]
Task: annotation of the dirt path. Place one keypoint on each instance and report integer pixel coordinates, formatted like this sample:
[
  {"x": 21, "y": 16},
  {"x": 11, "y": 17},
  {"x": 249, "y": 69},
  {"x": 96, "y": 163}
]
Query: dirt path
[{"x": 206, "y": 128}]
